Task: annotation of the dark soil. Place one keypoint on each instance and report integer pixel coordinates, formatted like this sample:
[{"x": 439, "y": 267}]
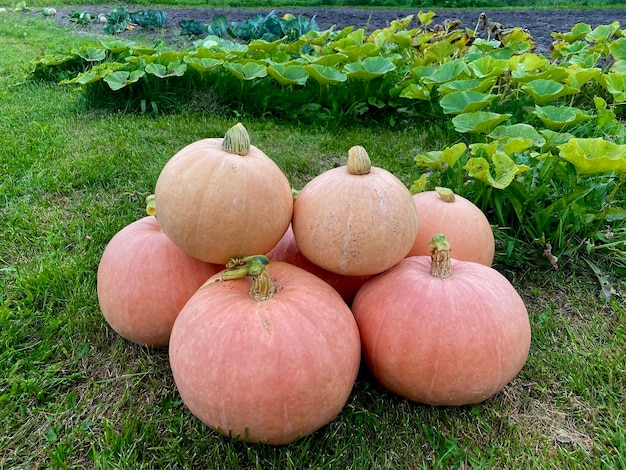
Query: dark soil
[{"x": 540, "y": 23}]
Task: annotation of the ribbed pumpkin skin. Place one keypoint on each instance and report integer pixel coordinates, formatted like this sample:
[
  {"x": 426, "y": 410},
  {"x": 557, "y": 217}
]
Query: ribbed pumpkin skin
[
  {"x": 355, "y": 225},
  {"x": 287, "y": 251},
  {"x": 204, "y": 194},
  {"x": 465, "y": 225},
  {"x": 451, "y": 341},
  {"x": 266, "y": 371},
  {"x": 144, "y": 281}
]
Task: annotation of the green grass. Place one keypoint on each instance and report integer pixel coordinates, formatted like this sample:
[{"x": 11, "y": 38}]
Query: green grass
[{"x": 73, "y": 394}]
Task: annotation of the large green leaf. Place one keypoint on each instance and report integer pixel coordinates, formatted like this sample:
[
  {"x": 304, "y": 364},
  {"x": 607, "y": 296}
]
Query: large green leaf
[
  {"x": 90, "y": 53},
  {"x": 602, "y": 33},
  {"x": 369, "y": 68},
  {"x": 547, "y": 90},
  {"x": 615, "y": 84},
  {"x": 618, "y": 48},
  {"x": 487, "y": 66},
  {"x": 246, "y": 70},
  {"x": 594, "y": 156},
  {"x": 557, "y": 117},
  {"x": 453, "y": 70},
  {"x": 288, "y": 75},
  {"x": 204, "y": 64},
  {"x": 121, "y": 78},
  {"x": 578, "y": 31},
  {"x": 416, "y": 91},
  {"x": 355, "y": 53},
  {"x": 325, "y": 75},
  {"x": 173, "y": 69},
  {"x": 578, "y": 76},
  {"x": 465, "y": 101},
  {"x": 475, "y": 84},
  {"x": 519, "y": 130},
  {"x": 478, "y": 122}
]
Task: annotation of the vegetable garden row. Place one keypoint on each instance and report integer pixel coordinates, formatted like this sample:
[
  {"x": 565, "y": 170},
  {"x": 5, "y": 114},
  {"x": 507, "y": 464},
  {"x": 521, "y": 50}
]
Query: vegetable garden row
[{"x": 520, "y": 116}]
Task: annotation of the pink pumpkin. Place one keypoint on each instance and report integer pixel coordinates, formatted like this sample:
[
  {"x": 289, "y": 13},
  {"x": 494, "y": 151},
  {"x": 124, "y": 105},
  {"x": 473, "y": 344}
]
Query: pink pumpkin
[
  {"x": 144, "y": 280},
  {"x": 465, "y": 225},
  {"x": 442, "y": 331},
  {"x": 287, "y": 250},
  {"x": 265, "y": 360}
]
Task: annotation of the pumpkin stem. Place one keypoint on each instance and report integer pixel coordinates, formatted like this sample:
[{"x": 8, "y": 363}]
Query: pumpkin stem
[
  {"x": 447, "y": 195},
  {"x": 440, "y": 266},
  {"x": 262, "y": 286},
  {"x": 254, "y": 266},
  {"x": 236, "y": 140},
  {"x": 151, "y": 205},
  {"x": 359, "y": 162}
]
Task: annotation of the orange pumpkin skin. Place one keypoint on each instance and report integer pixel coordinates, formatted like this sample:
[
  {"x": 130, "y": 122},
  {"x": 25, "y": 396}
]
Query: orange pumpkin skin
[
  {"x": 144, "y": 280},
  {"x": 451, "y": 341},
  {"x": 465, "y": 225},
  {"x": 267, "y": 371},
  {"x": 287, "y": 251},
  {"x": 355, "y": 224},
  {"x": 204, "y": 194}
]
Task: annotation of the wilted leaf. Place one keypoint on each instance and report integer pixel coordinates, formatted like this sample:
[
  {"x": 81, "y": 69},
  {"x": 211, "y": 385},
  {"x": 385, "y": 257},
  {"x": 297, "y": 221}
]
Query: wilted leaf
[{"x": 440, "y": 159}]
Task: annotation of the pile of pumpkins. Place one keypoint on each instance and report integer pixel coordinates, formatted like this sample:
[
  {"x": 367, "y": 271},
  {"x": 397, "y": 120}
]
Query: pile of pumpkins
[{"x": 269, "y": 302}]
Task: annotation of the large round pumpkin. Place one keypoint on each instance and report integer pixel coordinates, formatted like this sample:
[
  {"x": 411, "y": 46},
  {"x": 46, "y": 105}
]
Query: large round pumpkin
[
  {"x": 465, "y": 225},
  {"x": 267, "y": 359},
  {"x": 441, "y": 331},
  {"x": 355, "y": 220},
  {"x": 144, "y": 280},
  {"x": 287, "y": 250},
  {"x": 223, "y": 198}
]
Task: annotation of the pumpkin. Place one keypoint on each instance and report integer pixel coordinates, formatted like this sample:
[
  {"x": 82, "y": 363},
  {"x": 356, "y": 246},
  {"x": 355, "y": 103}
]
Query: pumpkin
[
  {"x": 465, "y": 225},
  {"x": 208, "y": 189},
  {"x": 144, "y": 280},
  {"x": 356, "y": 220},
  {"x": 267, "y": 359},
  {"x": 287, "y": 251},
  {"x": 440, "y": 331}
]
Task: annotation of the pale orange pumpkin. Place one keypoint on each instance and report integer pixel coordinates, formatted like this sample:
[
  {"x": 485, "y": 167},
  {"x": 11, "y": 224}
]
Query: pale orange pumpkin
[
  {"x": 223, "y": 198},
  {"x": 287, "y": 250},
  {"x": 268, "y": 359},
  {"x": 144, "y": 280},
  {"x": 442, "y": 332},
  {"x": 466, "y": 227},
  {"x": 355, "y": 220}
]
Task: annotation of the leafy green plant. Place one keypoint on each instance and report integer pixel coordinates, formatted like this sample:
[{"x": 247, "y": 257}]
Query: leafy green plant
[{"x": 82, "y": 17}]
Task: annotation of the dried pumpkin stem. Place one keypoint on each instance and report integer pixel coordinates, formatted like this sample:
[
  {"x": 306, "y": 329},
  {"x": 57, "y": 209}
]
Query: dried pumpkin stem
[
  {"x": 254, "y": 266},
  {"x": 441, "y": 265},
  {"x": 262, "y": 286},
  {"x": 447, "y": 195},
  {"x": 236, "y": 140},
  {"x": 359, "y": 162}
]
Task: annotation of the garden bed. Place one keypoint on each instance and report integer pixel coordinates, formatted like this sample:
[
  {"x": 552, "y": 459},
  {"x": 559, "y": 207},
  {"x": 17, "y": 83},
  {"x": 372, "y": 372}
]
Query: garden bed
[{"x": 540, "y": 23}]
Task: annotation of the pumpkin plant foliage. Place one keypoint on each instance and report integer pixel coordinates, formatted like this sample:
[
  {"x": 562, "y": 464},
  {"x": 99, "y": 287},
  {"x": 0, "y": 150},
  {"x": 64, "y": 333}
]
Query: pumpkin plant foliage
[{"x": 513, "y": 109}]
